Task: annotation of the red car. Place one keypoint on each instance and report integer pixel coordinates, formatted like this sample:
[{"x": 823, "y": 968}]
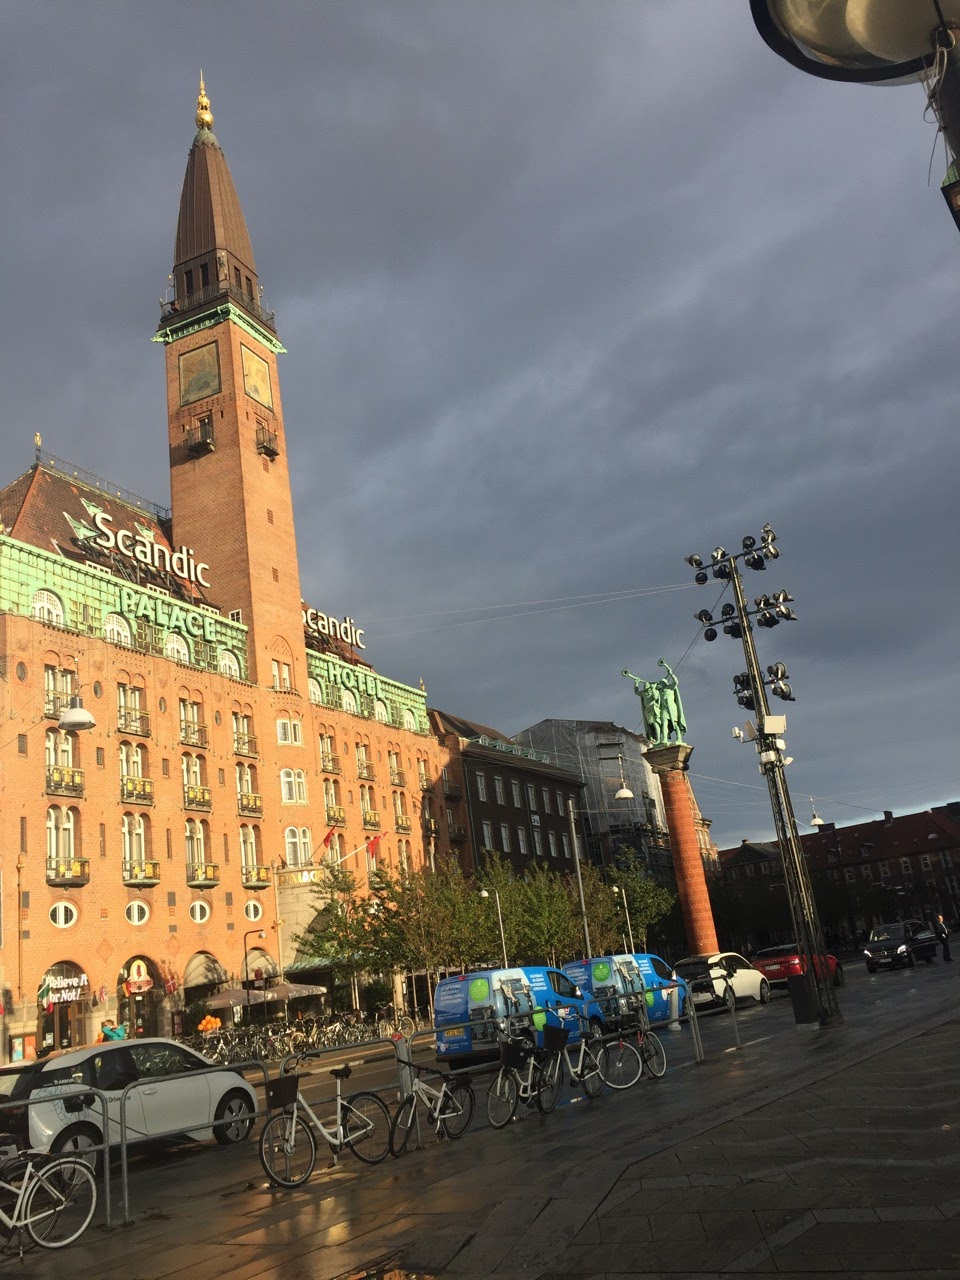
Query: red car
[{"x": 778, "y": 963}]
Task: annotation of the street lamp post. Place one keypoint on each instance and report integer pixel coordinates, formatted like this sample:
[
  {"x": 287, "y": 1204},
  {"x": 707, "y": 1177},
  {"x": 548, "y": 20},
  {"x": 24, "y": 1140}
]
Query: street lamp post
[
  {"x": 503, "y": 940},
  {"x": 893, "y": 42},
  {"x": 251, "y": 933},
  {"x": 751, "y": 692},
  {"x": 576, "y": 862},
  {"x": 622, "y": 894}
]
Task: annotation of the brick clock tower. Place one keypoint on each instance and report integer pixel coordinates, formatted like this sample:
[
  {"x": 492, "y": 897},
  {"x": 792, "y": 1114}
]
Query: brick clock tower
[{"x": 229, "y": 478}]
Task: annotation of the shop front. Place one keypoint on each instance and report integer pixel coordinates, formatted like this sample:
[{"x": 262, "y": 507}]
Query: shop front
[
  {"x": 141, "y": 998},
  {"x": 64, "y": 1000}
]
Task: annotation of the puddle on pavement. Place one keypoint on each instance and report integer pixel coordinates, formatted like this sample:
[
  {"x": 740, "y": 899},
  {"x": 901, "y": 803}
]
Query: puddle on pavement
[{"x": 386, "y": 1270}]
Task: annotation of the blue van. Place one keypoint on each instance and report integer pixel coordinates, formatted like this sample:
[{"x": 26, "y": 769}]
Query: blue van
[
  {"x": 620, "y": 982},
  {"x": 469, "y": 1008}
]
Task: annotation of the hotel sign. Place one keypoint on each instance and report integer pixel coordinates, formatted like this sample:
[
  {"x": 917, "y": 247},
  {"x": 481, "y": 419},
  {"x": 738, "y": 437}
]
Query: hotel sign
[
  {"x": 168, "y": 614},
  {"x": 138, "y": 546},
  {"x": 344, "y": 629}
]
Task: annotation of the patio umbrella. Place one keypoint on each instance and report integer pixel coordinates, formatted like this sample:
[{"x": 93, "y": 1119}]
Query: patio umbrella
[{"x": 280, "y": 991}]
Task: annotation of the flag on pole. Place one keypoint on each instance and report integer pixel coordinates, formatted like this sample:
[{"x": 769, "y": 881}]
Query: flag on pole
[
  {"x": 372, "y": 845},
  {"x": 43, "y": 995},
  {"x": 328, "y": 837}
]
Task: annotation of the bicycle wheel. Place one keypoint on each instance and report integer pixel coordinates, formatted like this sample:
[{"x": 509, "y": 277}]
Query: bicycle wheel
[
  {"x": 402, "y": 1125},
  {"x": 60, "y": 1204},
  {"x": 407, "y": 1025},
  {"x": 549, "y": 1083},
  {"x": 366, "y": 1121},
  {"x": 654, "y": 1058},
  {"x": 457, "y": 1109},
  {"x": 288, "y": 1149},
  {"x": 502, "y": 1098},
  {"x": 591, "y": 1071},
  {"x": 622, "y": 1064}
]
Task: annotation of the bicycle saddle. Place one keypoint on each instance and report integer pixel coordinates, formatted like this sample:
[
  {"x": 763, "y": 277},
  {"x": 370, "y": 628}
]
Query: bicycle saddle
[{"x": 342, "y": 1073}]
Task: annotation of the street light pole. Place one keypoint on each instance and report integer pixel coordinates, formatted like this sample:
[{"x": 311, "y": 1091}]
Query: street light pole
[
  {"x": 251, "y": 933},
  {"x": 503, "y": 940},
  {"x": 752, "y": 693},
  {"x": 576, "y": 862},
  {"x": 626, "y": 911}
]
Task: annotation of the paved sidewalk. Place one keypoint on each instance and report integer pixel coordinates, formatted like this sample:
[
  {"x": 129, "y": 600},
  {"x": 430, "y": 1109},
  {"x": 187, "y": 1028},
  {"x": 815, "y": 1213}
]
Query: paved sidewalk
[{"x": 808, "y": 1152}]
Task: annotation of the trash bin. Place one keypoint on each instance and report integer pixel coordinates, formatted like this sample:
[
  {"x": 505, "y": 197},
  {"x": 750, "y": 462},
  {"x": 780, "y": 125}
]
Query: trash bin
[{"x": 803, "y": 994}]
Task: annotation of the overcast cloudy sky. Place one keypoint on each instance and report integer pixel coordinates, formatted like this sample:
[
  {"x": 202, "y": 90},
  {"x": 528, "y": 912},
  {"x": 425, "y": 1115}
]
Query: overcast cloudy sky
[{"x": 570, "y": 290}]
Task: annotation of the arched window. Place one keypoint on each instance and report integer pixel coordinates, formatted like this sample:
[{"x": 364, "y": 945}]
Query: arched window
[
  {"x": 192, "y": 769},
  {"x": 293, "y": 786},
  {"x": 132, "y": 760},
  {"x": 176, "y": 648},
  {"x": 350, "y": 702},
  {"x": 60, "y": 833},
  {"x": 133, "y": 838},
  {"x": 246, "y": 779},
  {"x": 409, "y": 720},
  {"x": 315, "y": 691},
  {"x": 59, "y": 749},
  {"x": 380, "y": 712},
  {"x": 331, "y": 791},
  {"x": 228, "y": 665},
  {"x": 249, "y": 857},
  {"x": 116, "y": 629},
  {"x": 48, "y": 607},
  {"x": 193, "y": 840},
  {"x": 298, "y": 845}
]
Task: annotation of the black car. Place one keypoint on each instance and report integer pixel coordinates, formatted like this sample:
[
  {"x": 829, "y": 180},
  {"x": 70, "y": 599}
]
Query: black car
[{"x": 902, "y": 943}]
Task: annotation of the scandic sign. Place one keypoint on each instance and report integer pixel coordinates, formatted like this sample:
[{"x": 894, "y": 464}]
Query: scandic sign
[{"x": 138, "y": 546}]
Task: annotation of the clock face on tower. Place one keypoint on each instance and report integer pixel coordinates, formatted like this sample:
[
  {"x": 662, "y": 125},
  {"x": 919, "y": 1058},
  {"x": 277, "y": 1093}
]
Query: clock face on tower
[{"x": 256, "y": 377}]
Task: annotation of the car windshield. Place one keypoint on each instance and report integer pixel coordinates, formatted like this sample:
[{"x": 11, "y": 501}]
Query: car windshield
[
  {"x": 773, "y": 953},
  {"x": 693, "y": 969},
  {"x": 886, "y": 932}
]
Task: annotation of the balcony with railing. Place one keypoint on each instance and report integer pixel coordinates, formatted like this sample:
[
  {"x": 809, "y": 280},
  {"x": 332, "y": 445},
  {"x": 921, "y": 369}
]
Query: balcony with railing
[
  {"x": 68, "y": 873},
  {"x": 199, "y": 439},
  {"x": 451, "y": 789},
  {"x": 202, "y": 875},
  {"x": 336, "y": 815},
  {"x": 193, "y": 734},
  {"x": 252, "y": 877},
  {"x": 403, "y": 824},
  {"x": 371, "y": 819},
  {"x": 268, "y": 442},
  {"x": 132, "y": 720},
  {"x": 249, "y": 804},
  {"x": 458, "y": 834},
  {"x": 140, "y": 873},
  {"x": 171, "y": 308},
  {"x": 137, "y": 789},
  {"x": 64, "y": 781},
  {"x": 330, "y": 764},
  {"x": 426, "y": 784},
  {"x": 398, "y": 778},
  {"x": 431, "y": 826},
  {"x": 196, "y": 797},
  {"x": 366, "y": 771},
  {"x": 244, "y": 744},
  {"x": 54, "y": 704}
]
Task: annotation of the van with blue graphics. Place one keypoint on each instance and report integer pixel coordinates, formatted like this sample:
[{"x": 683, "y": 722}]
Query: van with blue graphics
[
  {"x": 619, "y": 983},
  {"x": 469, "y": 1009}
]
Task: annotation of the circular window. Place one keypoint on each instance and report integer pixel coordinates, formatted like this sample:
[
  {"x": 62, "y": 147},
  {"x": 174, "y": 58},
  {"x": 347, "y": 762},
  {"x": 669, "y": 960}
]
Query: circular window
[
  {"x": 21, "y": 671},
  {"x": 199, "y": 911},
  {"x": 97, "y": 689},
  {"x": 253, "y": 910},
  {"x": 137, "y": 912},
  {"x": 63, "y": 915}
]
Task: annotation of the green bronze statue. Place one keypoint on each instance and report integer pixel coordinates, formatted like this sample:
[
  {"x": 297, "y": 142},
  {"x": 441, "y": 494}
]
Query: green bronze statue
[{"x": 662, "y": 708}]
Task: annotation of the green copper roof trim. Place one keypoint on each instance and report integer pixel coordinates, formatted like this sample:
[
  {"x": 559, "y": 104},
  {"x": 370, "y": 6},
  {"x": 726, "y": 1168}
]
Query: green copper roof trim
[{"x": 219, "y": 315}]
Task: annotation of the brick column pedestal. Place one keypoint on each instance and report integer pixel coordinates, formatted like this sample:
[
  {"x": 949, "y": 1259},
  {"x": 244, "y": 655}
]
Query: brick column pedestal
[{"x": 670, "y": 762}]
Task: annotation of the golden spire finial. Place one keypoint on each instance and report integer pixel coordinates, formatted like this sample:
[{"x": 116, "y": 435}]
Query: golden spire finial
[{"x": 204, "y": 114}]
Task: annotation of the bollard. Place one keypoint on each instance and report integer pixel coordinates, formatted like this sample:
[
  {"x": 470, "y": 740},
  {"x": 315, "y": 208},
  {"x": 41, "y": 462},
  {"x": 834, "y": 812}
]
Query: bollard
[{"x": 674, "y": 1023}]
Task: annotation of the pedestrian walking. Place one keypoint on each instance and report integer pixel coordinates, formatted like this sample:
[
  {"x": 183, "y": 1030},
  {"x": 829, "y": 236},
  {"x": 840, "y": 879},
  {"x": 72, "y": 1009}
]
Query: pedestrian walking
[{"x": 943, "y": 936}]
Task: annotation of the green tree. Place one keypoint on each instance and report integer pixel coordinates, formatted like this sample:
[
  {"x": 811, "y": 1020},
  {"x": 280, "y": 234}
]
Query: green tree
[{"x": 647, "y": 901}]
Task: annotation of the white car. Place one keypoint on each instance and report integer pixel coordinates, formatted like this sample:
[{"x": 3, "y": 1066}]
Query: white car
[
  {"x": 72, "y": 1121},
  {"x": 722, "y": 978}
]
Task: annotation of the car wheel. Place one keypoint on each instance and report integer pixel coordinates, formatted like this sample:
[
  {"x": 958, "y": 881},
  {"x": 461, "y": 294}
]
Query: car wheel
[
  {"x": 871, "y": 968},
  {"x": 839, "y": 979},
  {"x": 237, "y": 1113},
  {"x": 80, "y": 1140},
  {"x": 911, "y": 960},
  {"x": 764, "y": 996}
]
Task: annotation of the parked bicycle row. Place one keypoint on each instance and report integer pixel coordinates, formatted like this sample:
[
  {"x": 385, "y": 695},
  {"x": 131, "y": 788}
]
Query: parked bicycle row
[{"x": 274, "y": 1041}]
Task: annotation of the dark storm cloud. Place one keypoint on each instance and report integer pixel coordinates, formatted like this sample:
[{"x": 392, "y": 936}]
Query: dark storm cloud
[{"x": 569, "y": 290}]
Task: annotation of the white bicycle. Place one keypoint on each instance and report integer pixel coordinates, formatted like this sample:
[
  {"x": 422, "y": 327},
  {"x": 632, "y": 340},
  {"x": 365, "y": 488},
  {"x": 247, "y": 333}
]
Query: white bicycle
[{"x": 52, "y": 1198}]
